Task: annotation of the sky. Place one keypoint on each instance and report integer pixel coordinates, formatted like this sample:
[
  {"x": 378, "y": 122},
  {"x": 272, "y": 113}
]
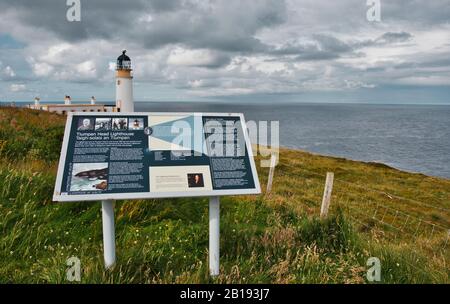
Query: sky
[{"x": 228, "y": 50}]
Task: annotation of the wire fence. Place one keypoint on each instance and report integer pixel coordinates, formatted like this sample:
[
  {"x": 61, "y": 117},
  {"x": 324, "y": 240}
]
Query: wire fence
[{"x": 422, "y": 226}]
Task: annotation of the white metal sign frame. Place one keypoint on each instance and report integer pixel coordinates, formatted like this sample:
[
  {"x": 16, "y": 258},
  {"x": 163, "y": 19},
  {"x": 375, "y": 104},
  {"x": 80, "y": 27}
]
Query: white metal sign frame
[{"x": 109, "y": 246}]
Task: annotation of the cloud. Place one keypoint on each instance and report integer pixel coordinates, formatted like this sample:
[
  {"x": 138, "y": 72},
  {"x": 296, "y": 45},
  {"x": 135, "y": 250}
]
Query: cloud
[
  {"x": 7, "y": 73},
  {"x": 391, "y": 37},
  {"x": 197, "y": 58},
  {"x": 17, "y": 87},
  {"x": 351, "y": 84},
  {"x": 317, "y": 47},
  {"x": 433, "y": 80},
  {"x": 226, "y": 47},
  {"x": 228, "y": 25}
]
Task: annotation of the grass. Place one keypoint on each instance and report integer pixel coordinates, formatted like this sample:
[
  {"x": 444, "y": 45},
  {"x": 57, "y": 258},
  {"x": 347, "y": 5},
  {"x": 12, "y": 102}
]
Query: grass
[{"x": 276, "y": 238}]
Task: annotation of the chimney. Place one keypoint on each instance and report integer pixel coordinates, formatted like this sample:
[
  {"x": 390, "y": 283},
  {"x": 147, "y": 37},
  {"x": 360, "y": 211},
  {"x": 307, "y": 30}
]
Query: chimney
[
  {"x": 92, "y": 100},
  {"x": 67, "y": 100}
]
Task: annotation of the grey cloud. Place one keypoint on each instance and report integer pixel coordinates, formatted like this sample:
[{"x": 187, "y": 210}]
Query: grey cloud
[
  {"x": 224, "y": 25},
  {"x": 323, "y": 47},
  {"x": 391, "y": 37},
  {"x": 264, "y": 46},
  {"x": 418, "y": 12}
]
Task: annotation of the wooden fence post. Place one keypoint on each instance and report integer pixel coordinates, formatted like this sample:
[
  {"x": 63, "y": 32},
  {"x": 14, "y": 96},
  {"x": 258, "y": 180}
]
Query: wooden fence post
[
  {"x": 273, "y": 159},
  {"x": 326, "y": 200}
]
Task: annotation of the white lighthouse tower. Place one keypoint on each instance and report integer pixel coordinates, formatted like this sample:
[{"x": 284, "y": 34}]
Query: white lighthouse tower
[{"x": 124, "y": 84}]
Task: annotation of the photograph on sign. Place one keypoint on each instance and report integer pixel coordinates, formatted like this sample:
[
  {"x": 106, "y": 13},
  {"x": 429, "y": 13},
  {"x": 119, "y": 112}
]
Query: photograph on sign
[{"x": 151, "y": 155}]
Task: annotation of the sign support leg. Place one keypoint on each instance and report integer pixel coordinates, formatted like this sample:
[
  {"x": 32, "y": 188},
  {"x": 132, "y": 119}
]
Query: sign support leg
[
  {"x": 109, "y": 242},
  {"x": 214, "y": 235}
]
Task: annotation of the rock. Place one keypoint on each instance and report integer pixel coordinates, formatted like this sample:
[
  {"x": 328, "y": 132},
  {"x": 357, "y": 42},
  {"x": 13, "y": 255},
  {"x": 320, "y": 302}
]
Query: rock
[{"x": 102, "y": 186}]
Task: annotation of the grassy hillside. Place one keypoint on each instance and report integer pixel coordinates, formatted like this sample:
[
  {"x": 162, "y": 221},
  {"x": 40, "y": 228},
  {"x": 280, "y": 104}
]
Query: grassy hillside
[{"x": 376, "y": 211}]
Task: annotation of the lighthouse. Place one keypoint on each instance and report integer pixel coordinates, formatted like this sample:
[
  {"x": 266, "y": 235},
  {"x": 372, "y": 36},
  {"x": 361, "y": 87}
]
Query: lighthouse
[{"x": 124, "y": 84}]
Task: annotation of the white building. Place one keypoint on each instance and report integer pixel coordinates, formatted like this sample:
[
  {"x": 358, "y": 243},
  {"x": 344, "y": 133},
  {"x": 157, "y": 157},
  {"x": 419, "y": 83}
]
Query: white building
[
  {"x": 124, "y": 95},
  {"x": 68, "y": 106}
]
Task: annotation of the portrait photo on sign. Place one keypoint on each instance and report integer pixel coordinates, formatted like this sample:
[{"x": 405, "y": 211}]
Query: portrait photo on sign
[
  {"x": 136, "y": 124},
  {"x": 195, "y": 180},
  {"x": 89, "y": 177},
  {"x": 85, "y": 124},
  {"x": 120, "y": 123},
  {"x": 102, "y": 124}
]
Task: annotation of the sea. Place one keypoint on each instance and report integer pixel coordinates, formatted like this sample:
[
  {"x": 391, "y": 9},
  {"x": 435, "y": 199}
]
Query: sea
[{"x": 414, "y": 138}]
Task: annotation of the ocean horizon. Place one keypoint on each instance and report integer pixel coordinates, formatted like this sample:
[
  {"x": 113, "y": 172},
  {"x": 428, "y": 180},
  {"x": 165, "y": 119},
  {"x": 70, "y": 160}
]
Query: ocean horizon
[{"x": 413, "y": 138}]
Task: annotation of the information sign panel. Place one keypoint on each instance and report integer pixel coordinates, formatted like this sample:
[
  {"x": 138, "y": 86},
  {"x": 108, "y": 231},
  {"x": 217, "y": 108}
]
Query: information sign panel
[{"x": 110, "y": 156}]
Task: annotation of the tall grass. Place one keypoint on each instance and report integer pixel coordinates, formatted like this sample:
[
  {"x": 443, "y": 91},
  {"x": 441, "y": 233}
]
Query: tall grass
[{"x": 264, "y": 239}]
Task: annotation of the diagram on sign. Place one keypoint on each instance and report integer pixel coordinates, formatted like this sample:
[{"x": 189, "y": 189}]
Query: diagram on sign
[{"x": 178, "y": 162}]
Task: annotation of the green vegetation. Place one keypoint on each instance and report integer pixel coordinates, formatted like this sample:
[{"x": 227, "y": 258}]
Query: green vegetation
[{"x": 376, "y": 211}]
